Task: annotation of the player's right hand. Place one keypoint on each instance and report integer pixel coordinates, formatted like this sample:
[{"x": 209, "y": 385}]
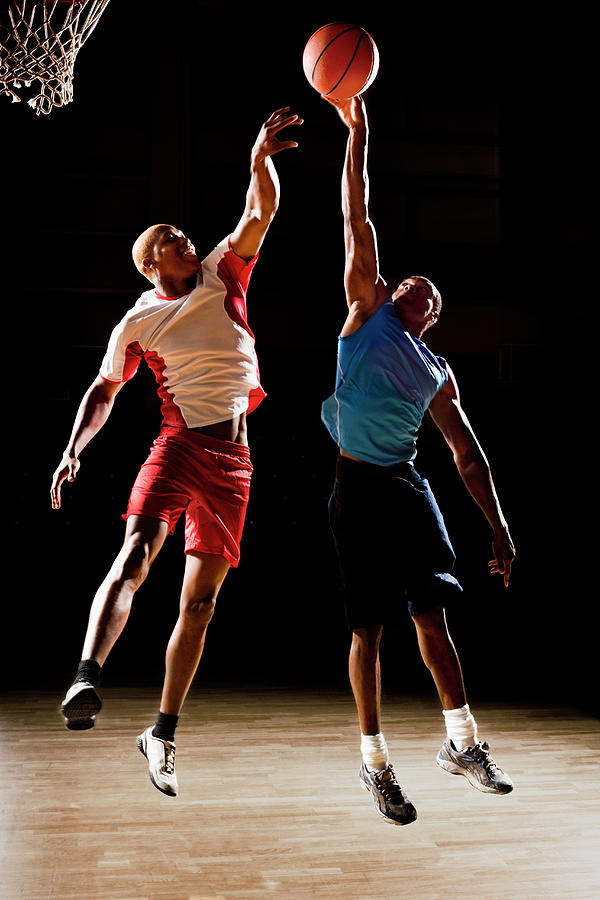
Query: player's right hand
[
  {"x": 352, "y": 112},
  {"x": 67, "y": 470}
]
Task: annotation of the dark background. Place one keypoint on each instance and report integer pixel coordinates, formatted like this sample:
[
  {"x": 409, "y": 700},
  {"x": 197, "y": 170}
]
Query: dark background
[{"x": 481, "y": 164}]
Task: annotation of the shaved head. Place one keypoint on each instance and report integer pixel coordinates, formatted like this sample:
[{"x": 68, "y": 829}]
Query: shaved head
[
  {"x": 435, "y": 294},
  {"x": 144, "y": 245}
]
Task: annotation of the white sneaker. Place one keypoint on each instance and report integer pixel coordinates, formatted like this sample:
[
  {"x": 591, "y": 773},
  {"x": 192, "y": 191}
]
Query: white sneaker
[
  {"x": 80, "y": 706},
  {"x": 161, "y": 761},
  {"x": 477, "y": 765}
]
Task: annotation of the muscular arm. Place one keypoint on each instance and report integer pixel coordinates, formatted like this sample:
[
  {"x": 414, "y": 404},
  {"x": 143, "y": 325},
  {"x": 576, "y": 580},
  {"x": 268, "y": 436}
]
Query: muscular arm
[
  {"x": 93, "y": 412},
  {"x": 474, "y": 470},
  {"x": 365, "y": 288},
  {"x": 262, "y": 198}
]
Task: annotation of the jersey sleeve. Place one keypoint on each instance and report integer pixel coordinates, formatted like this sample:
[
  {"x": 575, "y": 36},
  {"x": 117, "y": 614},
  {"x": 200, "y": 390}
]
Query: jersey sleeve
[
  {"x": 233, "y": 267},
  {"x": 123, "y": 355}
]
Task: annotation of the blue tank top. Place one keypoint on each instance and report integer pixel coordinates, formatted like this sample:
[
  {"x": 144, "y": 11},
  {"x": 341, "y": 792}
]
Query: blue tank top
[{"x": 385, "y": 381}]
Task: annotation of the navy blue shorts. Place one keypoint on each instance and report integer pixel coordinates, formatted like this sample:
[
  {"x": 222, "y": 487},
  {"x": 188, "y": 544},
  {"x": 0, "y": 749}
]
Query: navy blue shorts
[{"x": 391, "y": 543}]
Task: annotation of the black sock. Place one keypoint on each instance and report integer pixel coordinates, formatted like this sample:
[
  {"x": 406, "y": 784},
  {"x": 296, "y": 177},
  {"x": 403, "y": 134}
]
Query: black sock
[
  {"x": 88, "y": 670},
  {"x": 165, "y": 727}
]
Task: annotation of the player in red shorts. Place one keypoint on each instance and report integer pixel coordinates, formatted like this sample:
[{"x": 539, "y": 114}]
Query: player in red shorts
[{"x": 192, "y": 330}]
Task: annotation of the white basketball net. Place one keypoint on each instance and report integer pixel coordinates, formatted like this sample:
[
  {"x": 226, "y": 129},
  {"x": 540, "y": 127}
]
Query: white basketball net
[{"x": 40, "y": 44}]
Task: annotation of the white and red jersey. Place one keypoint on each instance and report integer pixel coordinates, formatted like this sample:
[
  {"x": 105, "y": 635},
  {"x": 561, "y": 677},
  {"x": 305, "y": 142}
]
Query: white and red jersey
[{"x": 199, "y": 345}]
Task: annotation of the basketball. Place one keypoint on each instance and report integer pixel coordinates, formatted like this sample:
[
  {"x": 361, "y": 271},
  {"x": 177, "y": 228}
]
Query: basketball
[{"x": 340, "y": 60}]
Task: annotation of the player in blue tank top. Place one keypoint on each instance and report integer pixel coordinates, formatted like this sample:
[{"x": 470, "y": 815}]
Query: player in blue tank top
[{"x": 390, "y": 536}]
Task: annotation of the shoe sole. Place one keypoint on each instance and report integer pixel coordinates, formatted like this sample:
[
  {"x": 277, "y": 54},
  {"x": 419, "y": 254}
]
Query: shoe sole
[
  {"x": 452, "y": 769},
  {"x": 142, "y": 749},
  {"x": 80, "y": 712},
  {"x": 385, "y": 818}
]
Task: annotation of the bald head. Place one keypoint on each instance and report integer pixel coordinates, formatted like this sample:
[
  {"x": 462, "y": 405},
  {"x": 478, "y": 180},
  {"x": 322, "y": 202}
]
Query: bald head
[
  {"x": 435, "y": 294},
  {"x": 144, "y": 246}
]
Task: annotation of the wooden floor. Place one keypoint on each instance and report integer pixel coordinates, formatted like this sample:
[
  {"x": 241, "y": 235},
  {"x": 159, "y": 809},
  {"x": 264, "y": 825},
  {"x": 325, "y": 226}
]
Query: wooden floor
[{"x": 270, "y": 804}]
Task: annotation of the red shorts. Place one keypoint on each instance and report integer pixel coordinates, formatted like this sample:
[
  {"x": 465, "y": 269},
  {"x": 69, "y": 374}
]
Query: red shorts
[{"x": 206, "y": 477}]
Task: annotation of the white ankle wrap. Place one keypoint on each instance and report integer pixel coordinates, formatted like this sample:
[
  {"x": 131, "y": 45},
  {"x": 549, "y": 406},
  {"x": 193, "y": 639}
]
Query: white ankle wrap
[
  {"x": 374, "y": 751},
  {"x": 461, "y": 727}
]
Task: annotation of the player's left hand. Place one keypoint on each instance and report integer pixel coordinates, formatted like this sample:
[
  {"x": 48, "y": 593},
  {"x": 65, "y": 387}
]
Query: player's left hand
[
  {"x": 504, "y": 554},
  {"x": 267, "y": 143}
]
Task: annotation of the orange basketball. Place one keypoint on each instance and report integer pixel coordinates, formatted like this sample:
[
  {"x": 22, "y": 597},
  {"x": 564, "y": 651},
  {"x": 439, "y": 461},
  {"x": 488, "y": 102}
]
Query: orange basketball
[{"x": 340, "y": 60}]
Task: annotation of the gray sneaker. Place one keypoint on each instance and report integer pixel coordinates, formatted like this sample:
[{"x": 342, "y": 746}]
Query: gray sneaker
[
  {"x": 161, "y": 761},
  {"x": 80, "y": 706},
  {"x": 390, "y": 800},
  {"x": 476, "y": 764}
]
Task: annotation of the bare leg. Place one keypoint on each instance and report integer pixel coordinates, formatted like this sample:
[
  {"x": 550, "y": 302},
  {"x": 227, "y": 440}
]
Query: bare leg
[
  {"x": 440, "y": 657},
  {"x": 144, "y": 536},
  {"x": 365, "y": 677},
  {"x": 204, "y": 575}
]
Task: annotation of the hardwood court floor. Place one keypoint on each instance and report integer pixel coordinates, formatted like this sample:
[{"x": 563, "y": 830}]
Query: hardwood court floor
[{"x": 270, "y": 805}]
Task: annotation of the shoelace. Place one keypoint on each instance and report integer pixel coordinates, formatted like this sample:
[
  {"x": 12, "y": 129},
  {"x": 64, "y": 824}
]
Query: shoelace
[
  {"x": 170, "y": 760},
  {"x": 389, "y": 787},
  {"x": 481, "y": 753}
]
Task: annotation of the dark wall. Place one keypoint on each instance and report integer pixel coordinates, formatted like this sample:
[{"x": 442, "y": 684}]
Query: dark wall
[{"x": 480, "y": 177}]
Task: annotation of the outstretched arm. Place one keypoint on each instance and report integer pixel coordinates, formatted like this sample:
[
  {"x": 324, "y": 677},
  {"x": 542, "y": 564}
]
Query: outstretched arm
[
  {"x": 474, "y": 470},
  {"x": 93, "y": 412},
  {"x": 262, "y": 198},
  {"x": 365, "y": 288}
]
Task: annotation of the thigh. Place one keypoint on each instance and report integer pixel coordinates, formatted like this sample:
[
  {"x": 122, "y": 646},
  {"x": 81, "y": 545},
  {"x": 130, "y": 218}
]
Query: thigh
[
  {"x": 365, "y": 558},
  {"x": 203, "y": 576},
  {"x": 159, "y": 491},
  {"x": 216, "y": 514},
  {"x": 144, "y": 537},
  {"x": 425, "y": 536},
  {"x": 430, "y": 561}
]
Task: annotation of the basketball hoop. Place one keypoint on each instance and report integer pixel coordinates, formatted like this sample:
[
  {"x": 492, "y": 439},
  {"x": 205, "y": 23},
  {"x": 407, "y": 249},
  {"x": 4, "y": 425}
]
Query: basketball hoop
[{"x": 41, "y": 43}]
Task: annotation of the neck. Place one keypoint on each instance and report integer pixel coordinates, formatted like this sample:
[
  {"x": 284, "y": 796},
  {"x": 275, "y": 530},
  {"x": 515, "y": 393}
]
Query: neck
[
  {"x": 174, "y": 287},
  {"x": 415, "y": 329}
]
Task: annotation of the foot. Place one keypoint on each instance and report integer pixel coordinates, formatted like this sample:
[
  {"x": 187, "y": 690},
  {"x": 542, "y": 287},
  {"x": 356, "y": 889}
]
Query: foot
[
  {"x": 390, "y": 800},
  {"x": 80, "y": 706},
  {"x": 476, "y": 764},
  {"x": 161, "y": 761}
]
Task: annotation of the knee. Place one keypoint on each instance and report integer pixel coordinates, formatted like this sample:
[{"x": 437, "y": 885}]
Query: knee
[
  {"x": 133, "y": 562},
  {"x": 199, "y": 608},
  {"x": 432, "y": 622},
  {"x": 367, "y": 639}
]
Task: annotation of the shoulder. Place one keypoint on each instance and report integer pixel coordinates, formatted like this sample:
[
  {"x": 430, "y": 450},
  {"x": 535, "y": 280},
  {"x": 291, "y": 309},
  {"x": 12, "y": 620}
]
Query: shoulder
[
  {"x": 211, "y": 260},
  {"x": 225, "y": 249},
  {"x": 224, "y": 262},
  {"x": 361, "y": 312},
  {"x": 448, "y": 395}
]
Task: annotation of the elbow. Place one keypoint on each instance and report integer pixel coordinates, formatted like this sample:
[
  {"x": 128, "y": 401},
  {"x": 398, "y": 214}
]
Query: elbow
[
  {"x": 264, "y": 212},
  {"x": 470, "y": 460},
  {"x": 260, "y": 217}
]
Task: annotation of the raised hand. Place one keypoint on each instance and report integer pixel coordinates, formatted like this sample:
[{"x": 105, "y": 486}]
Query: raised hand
[
  {"x": 267, "y": 142},
  {"x": 352, "y": 112}
]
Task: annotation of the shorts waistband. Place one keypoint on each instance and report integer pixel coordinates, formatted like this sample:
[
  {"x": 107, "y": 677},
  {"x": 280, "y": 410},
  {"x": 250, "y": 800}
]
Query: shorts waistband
[
  {"x": 357, "y": 468},
  {"x": 205, "y": 440}
]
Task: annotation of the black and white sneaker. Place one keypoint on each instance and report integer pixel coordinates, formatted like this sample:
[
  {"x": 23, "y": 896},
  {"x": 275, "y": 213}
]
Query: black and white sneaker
[
  {"x": 476, "y": 764},
  {"x": 80, "y": 706},
  {"x": 161, "y": 761},
  {"x": 390, "y": 800}
]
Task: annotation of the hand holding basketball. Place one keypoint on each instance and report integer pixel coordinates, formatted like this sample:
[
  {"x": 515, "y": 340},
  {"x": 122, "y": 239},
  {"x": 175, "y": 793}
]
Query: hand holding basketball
[
  {"x": 352, "y": 112},
  {"x": 340, "y": 61}
]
